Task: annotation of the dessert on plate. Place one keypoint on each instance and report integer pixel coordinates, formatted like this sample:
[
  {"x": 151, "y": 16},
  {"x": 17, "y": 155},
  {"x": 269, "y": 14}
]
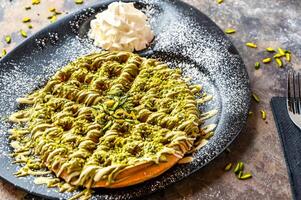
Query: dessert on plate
[{"x": 110, "y": 118}]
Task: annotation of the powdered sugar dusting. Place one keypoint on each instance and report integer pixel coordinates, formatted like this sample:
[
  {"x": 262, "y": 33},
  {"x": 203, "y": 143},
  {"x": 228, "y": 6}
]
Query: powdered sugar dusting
[{"x": 183, "y": 38}]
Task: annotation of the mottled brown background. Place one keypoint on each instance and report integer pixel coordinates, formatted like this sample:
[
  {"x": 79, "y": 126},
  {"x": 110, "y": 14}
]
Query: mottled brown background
[{"x": 266, "y": 22}]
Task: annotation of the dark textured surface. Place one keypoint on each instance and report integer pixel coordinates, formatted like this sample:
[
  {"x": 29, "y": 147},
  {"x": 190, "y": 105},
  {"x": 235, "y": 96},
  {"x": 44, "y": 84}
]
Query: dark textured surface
[
  {"x": 290, "y": 136},
  {"x": 269, "y": 23}
]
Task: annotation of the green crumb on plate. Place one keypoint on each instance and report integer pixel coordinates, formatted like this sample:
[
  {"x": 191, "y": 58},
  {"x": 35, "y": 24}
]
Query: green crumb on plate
[
  {"x": 53, "y": 19},
  {"x": 52, "y": 9},
  {"x": 79, "y": 1},
  {"x": 26, "y": 19},
  {"x": 4, "y": 52},
  {"x": 57, "y": 13},
  {"x": 7, "y": 39},
  {"x": 35, "y": 2},
  {"x": 251, "y": 45},
  {"x": 230, "y": 31},
  {"x": 23, "y": 33}
]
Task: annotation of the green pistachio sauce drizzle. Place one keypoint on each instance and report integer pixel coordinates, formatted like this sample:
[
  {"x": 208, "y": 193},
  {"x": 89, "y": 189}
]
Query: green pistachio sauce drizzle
[{"x": 102, "y": 114}]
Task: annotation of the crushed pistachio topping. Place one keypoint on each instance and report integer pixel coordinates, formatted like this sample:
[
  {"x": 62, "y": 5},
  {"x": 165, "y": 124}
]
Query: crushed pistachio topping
[
  {"x": 267, "y": 60},
  {"x": 257, "y": 65},
  {"x": 251, "y": 45},
  {"x": 239, "y": 174},
  {"x": 245, "y": 176},
  {"x": 35, "y": 2},
  {"x": 53, "y": 19},
  {"x": 263, "y": 114},
  {"x": 23, "y": 33},
  {"x": 30, "y": 26},
  {"x": 237, "y": 168},
  {"x": 256, "y": 97},
  {"x": 57, "y": 13},
  {"x": 186, "y": 160},
  {"x": 277, "y": 55},
  {"x": 281, "y": 51},
  {"x": 220, "y": 1},
  {"x": 270, "y": 49},
  {"x": 228, "y": 167},
  {"x": 8, "y": 39},
  {"x": 4, "y": 52},
  {"x": 288, "y": 57},
  {"x": 230, "y": 31},
  {"x": 52, "y": 9},
  {"x": 239, "y": 171},
  {"x": 79, "y": 1},
  {"x": 106, "y": 112},
  {"x": 279, "y": 62},
  {"x": 26, "y": 20}
]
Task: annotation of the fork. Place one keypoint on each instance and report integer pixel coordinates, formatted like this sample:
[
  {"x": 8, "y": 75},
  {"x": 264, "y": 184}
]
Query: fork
[{"x": 294, "y": 97}]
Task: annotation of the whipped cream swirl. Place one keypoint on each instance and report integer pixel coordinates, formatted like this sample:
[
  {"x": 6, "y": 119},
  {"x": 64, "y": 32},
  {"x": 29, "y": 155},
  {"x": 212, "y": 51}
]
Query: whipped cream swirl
[{"x": 121, "y": 27}]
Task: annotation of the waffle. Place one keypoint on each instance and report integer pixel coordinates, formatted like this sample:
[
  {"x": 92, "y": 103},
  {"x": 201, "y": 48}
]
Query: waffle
[{"x": 108, "y": 119}]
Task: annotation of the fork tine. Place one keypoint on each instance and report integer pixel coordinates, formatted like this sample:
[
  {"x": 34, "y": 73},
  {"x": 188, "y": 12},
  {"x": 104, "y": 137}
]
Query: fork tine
[
  {"x": 299, "y": 96},
  {"x": 289, "y": 92},
  {"x": 294, "y": 94},
  {"x": 292, "y": 87},
  {"x": 296, "y": 89}
]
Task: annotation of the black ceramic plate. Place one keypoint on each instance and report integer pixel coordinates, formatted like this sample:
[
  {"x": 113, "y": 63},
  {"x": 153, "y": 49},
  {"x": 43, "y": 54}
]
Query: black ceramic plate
[{"x": 185, "y": 38}]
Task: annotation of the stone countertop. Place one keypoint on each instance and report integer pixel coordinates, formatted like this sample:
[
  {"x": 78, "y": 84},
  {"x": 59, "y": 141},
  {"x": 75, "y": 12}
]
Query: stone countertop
[{"x": 269, "y": 23}]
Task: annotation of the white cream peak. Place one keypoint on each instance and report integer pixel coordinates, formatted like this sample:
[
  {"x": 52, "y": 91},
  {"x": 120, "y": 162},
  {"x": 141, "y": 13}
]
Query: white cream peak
[{"x": 121, "y": 27}]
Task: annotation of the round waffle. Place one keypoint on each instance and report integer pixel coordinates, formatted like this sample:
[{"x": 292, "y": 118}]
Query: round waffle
[{"x": 109, "y": 119}]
